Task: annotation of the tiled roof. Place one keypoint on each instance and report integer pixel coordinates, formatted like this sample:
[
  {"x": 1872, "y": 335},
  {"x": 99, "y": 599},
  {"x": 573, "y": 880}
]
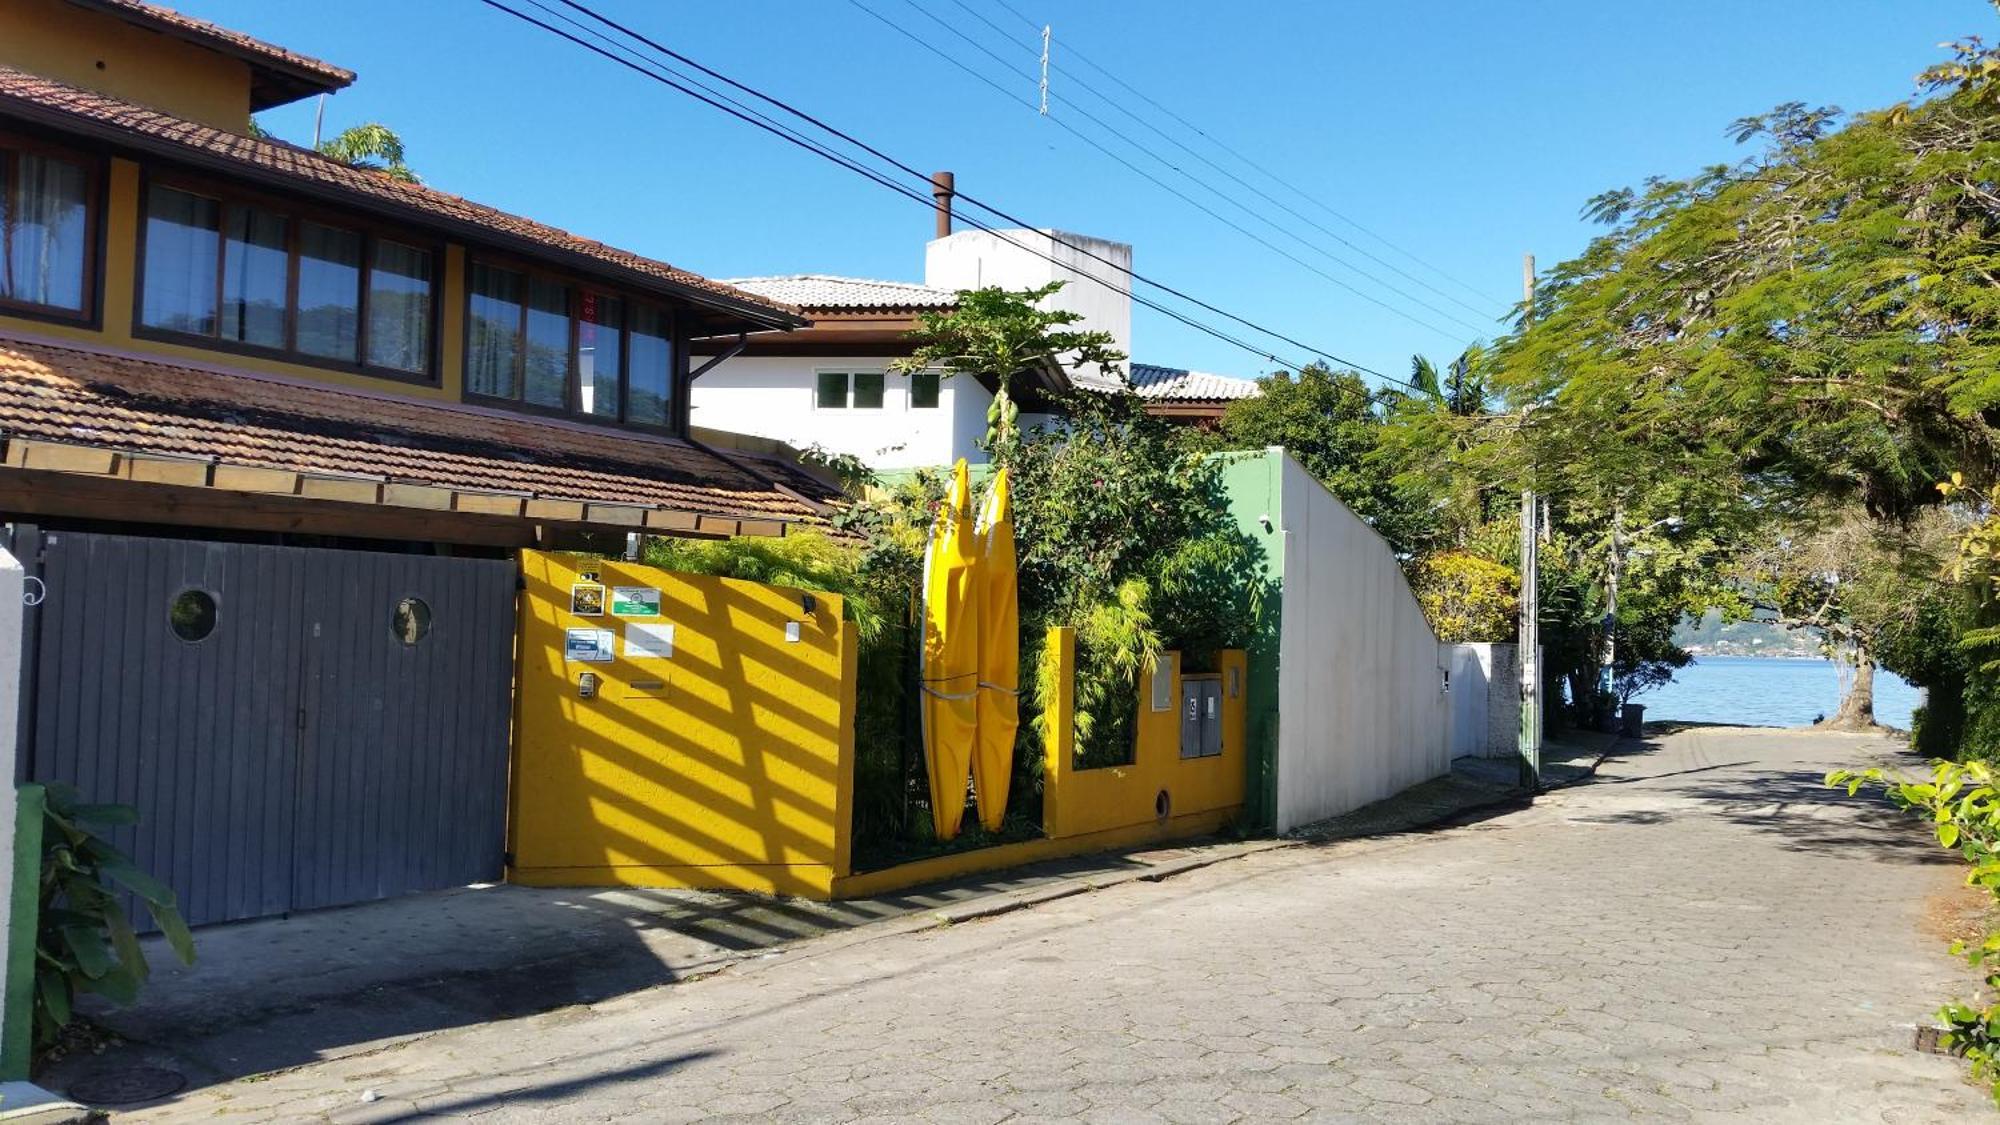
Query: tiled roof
[
  {"x": 825, "y": 292},
  {"x": 255, "y": 51},
  {"x": 303, "y": 169},
  {"x": 1175, "y": 384},
  {"x": 131, "y": 404}
]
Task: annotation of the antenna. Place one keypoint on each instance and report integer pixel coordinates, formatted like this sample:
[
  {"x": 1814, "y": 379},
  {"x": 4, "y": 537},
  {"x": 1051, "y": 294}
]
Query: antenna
[
  {"x": 1045, "y": 70},
  {"x": 319, "y": 118}
]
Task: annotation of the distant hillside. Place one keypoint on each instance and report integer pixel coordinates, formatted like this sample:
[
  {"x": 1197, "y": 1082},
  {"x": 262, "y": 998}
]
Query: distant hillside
[{"x": 1711, "y": 637}]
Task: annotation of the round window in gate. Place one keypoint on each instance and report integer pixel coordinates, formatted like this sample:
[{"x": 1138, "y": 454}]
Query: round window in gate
[
  {"x": 192, "y": 614},
  {"x": 412, "y": 622}
]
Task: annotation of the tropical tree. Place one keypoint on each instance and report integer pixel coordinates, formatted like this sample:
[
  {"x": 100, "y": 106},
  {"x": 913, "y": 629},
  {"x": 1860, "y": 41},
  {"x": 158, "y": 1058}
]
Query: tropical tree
[
  {"x": 371, "y": 146},
  {"x": 999, "y": 335},
  {"x": 1332, "y": 422}
]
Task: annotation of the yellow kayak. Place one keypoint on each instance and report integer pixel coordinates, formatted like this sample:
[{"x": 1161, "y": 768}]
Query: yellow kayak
[
  {"x": 950, "y": 670},
  {"x": 999, "y": 653}
]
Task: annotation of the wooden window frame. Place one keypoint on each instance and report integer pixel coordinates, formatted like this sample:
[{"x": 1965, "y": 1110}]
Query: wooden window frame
[
  {"x": 910, "y": 390},
  {"x": 576, "y": 285},
  {"x": 94, "y": 183},
  {"x": 295, "y": 213}
]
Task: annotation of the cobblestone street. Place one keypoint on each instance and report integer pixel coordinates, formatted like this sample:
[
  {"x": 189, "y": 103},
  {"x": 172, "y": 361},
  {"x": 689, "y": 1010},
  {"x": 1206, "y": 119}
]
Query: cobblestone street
[{"x": 1702, "y": 932}]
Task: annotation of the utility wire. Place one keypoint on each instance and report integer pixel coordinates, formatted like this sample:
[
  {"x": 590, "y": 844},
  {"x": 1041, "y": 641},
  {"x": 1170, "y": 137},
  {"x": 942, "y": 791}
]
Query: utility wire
[
  {"x": 1267, "y": 197},
  {"x": 821, "y": 150},
  {"x": 825, "y": 152},
  {"x": 1253, "y": 164},
  {"x": 1167, "y": 187}
]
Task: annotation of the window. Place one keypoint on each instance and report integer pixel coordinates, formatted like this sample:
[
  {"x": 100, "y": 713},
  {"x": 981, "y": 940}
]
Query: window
[
  {"x": 261, "y": 277},
  {"x": 839, "y": 390},
  {"x": 45, "y": 231},
  {"x": 832, "y": 392},
  {"x": 544, "y": 343},
  {"x": 191, "y": 615},
  {"x": 924, "y": 390}
]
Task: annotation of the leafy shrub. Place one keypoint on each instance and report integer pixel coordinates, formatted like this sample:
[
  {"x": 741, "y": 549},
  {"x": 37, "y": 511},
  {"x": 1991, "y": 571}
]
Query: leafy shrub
[
  {"x": 84, "y": 941},
  {"x": 1963, "y": 805},
  {"x": 1466, "y": 597}
]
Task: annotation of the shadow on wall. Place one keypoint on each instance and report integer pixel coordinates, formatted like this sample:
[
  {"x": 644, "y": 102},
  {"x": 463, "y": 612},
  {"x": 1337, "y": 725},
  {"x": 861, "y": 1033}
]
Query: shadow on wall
[{"x": 713, "y": 750}]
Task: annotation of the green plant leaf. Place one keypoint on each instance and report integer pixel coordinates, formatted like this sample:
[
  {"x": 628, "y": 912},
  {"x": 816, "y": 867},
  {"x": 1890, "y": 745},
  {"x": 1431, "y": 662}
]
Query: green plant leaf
[
  {"x": 53, "y": 988},
  {"x": 155, "y": 893},
  {"x": 175, "y": 931},
  {"x": 87, "y": 945}
]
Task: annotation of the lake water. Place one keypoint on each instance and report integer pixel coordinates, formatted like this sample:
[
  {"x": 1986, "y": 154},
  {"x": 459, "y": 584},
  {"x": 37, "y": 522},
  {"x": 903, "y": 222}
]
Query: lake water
[{"x": 1768, "y": 691}]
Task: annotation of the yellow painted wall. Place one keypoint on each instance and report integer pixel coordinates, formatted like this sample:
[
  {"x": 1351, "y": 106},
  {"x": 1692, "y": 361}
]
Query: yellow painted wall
[
  {"x": 1083, "y": 802},
  {"x": 121, "y": 265},
  {"x": 101, "y": 52},
  {"x": 728, "y": 766}
]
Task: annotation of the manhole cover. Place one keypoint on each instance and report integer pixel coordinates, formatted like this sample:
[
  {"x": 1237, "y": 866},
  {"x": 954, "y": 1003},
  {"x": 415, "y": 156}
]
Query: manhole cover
[{"x": 124, "y": 1087}]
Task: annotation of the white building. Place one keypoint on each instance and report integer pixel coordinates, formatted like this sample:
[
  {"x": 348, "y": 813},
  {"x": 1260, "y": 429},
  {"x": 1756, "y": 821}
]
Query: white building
[{"x": 830, "y": 386}]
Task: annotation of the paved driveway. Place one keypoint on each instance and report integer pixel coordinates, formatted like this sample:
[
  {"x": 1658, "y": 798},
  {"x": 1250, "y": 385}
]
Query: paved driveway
[{"x": 1702, "y": 932}]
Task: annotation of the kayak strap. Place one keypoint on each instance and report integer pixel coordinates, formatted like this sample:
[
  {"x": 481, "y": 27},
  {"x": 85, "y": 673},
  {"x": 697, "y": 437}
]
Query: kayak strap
[{"x": 998, "y": 688}]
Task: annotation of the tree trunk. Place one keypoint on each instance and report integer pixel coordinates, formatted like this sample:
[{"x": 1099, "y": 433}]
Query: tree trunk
[{"x": 1857, "y": 708}]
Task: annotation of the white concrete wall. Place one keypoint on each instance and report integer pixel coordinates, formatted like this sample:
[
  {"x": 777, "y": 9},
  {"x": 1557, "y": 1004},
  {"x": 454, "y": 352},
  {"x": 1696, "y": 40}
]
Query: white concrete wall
[
  {"x": 1486, "y": 700},
  {"x": 773, "y": 397},
  {"x": 1362, "y": 711},
  {"x": 974, "y": 259},
  {"x": 1471, "y": 679}
]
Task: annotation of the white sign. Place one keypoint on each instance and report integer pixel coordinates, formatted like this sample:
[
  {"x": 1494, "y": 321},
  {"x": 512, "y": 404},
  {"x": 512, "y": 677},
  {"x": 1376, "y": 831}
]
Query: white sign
[
  {"x": 588, "y": 646},
  {"x": 649, "y": 642}
]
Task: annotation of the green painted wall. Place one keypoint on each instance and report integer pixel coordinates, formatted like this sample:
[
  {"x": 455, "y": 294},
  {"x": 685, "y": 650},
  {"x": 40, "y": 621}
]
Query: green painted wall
[{"x": 1252, "y": 483}]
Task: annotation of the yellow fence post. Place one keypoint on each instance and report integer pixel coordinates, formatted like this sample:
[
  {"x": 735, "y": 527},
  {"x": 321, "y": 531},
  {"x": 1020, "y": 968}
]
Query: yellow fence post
[
  {"x": 843, "y": 777},
  {"x": 1059, "y": 730}
]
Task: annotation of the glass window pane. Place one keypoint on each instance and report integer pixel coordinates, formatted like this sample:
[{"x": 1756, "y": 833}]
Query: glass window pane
[
  {"x": 832, "y": 394},
  {"x": 650, "y": 368},
  {"x": 329, "y": 291},
  {"x": 255, "y": 261},
  {"x": 183, "y": 233},
  {"x": 43, "y": 218},
  {"x": 399, "y": 307},
  {"x": 493, "y": 350},
  {"x": 924, "y": 390},
  {"x": 597, "y": 354},
  {"x": 548, "y": 343},
  {"x": 868, "y": 390}
]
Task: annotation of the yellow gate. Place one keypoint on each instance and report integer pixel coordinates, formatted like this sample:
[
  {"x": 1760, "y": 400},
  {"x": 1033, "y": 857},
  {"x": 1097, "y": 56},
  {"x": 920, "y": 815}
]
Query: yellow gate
[{"x": 678, "y": 730}]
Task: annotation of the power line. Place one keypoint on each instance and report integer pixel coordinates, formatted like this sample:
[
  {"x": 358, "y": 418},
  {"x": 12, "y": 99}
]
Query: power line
[
  {"x": 1253, "y": 164},
  {"x": 825, "y": 152},
  {"x": 1121, "y": 107},
  {"x": 793, "y": 137},
  {"x": 1183, "y": 173}
]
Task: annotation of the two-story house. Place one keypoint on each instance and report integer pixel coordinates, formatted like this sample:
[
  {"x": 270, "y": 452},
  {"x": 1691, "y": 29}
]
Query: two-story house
[
  {"x": 831, "y": 385},
  {"x": 270, "y": 429}
]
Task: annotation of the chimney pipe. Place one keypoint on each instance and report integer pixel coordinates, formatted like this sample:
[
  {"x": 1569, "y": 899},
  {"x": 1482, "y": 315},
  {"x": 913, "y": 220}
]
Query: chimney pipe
[{"x": 943, "y": 187}]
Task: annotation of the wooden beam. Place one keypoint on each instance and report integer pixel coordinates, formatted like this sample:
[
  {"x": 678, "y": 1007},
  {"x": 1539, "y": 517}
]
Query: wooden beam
[
  {"x": 661, "y": 519},
  {"x": 149, "y": 469},
  {"x": 557, "y": 511},
  {"x": 57, "y": 457},
  {"x": 113, "y": 499},
  {"x": 244, "y": 478},
  {"x": 615, "y": 515},
  {"x": 428, "y": 497},
  {"x": 346, "y": 489},
  {"x": 488, "y": 503},
  {"x": 717, "y": 525},
  {"x": 771, "y": 528}
]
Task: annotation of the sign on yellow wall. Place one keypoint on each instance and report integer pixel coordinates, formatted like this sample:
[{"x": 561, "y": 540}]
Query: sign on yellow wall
[{"x": 680, "y": 730}]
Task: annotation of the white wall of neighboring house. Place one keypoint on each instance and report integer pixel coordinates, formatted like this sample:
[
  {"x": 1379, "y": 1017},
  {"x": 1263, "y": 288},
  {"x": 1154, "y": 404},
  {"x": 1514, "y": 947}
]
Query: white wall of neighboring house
[
  {"x": 775, "y": 397},
  {"x": 975, "y": 259},
  {"x": 1362, "y": 709}
]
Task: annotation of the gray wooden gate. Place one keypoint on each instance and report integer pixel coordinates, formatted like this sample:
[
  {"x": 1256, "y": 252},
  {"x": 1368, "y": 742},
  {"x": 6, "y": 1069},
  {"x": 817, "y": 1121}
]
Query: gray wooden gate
[{"x": 298, "y": 727}]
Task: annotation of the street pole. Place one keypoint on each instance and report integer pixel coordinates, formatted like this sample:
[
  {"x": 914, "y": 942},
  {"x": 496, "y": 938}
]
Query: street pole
[
  {"x": 1530, "y": 627},
  {"x": 1608, "y": 673}
]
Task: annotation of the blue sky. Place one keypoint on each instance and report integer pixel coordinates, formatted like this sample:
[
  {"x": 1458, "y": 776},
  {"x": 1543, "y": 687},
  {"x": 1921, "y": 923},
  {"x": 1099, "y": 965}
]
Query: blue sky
[{"x": 1463, "y": 133}]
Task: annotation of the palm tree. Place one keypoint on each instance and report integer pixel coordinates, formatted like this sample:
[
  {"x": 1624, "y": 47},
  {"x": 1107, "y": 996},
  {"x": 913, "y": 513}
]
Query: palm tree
[
  {"x": 372, "y": 146},
  {"x": 1462, "y": 388}
]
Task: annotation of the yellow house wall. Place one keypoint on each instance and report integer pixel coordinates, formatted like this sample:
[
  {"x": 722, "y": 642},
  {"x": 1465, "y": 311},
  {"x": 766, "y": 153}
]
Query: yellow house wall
[
  {"x": 120, "y": 269},
  {"x": 728, "y": 766},
  {"x": 100, "y": 52},
  {"x": 1109, "y": 807},
  {"x": 1080, "y": 802}
]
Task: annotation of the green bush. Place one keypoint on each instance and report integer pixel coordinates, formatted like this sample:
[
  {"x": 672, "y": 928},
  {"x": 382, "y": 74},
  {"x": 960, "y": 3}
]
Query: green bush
[
  {"x": 1963, "y": 805},
  {"x": 84, "y": 942}
]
